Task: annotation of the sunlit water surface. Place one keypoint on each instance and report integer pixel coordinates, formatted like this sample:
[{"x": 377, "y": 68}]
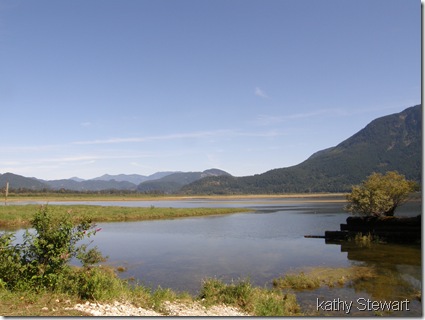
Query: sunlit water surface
[{"x": 260, "y": 245}]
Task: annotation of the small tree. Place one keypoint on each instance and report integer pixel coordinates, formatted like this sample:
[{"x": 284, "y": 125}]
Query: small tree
[
  {"x": 44, "y": 255},
  {"x": 380, "y": 195}
]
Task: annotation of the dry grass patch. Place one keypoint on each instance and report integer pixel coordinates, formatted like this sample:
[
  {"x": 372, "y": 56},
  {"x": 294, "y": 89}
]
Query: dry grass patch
[
  {"x": 313, "y": 278},
  {"x": 44, "y": 304}
]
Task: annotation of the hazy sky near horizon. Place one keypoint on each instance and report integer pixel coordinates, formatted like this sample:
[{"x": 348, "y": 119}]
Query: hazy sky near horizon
[{"x": 140, "y": 86}]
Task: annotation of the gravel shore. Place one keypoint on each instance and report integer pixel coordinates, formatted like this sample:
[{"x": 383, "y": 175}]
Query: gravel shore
[{"x": 170, "y": 309}]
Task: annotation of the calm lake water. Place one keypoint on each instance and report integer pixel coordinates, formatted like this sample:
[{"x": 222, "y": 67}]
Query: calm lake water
[{"x": 260, "y": 245}]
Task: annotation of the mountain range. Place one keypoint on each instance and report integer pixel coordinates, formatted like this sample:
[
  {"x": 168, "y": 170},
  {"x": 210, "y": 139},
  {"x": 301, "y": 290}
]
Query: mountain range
[
  {"x": 175, "y": 181},
  {"x": 133, "y": 178},
  {"x": 163, "y": 182},
  {"x": 392, "y": 142}
]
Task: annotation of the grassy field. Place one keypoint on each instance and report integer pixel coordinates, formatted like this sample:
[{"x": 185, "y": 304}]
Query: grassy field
[
  {"x": 46, "y": 197},
  {"x": 19, "y": 216}
]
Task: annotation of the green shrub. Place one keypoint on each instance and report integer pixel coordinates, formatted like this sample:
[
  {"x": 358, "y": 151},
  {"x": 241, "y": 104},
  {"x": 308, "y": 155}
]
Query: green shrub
[
  {"x": 97, "y": 283},
  {"x": 42, "y": 259},
  {"x": 10, "y": 261}
]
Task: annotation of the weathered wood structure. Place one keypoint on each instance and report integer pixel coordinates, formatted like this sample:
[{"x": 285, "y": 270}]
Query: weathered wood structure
[{"x": 391, "y": 229}]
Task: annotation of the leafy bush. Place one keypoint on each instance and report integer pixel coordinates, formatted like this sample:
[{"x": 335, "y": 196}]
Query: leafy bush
[
  {"x": 41, "y": 261},
  {"x": 10, "y": 261},
  {"x": 95, "y": 283}
]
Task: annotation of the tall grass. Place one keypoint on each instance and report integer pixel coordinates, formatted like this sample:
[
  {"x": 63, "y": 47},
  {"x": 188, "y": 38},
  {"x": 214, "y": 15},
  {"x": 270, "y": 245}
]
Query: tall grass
[
  {"x": 299, "y": 281},
  {"x": 365, "y": 240},
  {"x": 253, "y": 300}
]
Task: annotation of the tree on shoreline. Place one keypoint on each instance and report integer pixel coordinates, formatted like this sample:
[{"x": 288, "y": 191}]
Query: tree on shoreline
[{"x": 380, "y": 195}]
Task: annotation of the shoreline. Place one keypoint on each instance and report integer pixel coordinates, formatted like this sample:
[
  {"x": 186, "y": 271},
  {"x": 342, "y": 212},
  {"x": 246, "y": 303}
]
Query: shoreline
[
  {"x": 19, "y": 216},
  {"x": 222, "y": 300},
  {"x": 112, "y": 198}
]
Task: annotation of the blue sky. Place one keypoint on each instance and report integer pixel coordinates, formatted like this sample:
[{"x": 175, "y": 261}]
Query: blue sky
[{"x": 140, "y": 86}]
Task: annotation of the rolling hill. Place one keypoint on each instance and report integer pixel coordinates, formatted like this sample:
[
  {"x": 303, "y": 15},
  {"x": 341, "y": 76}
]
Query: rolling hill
[
  {"x": 162, "y": 182},
  {"x": 392, "y": 142},
  {"x": 20, "y": 182},
  {"x": 173, "y": 182},
  {"x": 127, "y": 182},
  {"x": 89, "y": 185}
]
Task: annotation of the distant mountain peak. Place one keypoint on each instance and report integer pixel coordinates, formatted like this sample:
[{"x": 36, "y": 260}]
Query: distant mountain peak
[
  {"x": 216, "y": 172},
  {"x": 76, "y": 179},
  {"x": 132, "y": 178},
  {"x": 173, "y": 182}
]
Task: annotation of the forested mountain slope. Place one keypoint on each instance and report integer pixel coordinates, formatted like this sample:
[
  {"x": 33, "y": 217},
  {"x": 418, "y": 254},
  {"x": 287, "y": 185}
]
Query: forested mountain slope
[
  {"x": 392, "y": 142},
  {"x": 20, "y": 182}
]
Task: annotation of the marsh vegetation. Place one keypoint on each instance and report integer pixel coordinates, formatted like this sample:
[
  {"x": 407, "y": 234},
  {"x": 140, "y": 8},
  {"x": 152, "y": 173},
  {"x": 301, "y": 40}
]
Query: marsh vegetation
[{"x": 17, "y": 216}]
